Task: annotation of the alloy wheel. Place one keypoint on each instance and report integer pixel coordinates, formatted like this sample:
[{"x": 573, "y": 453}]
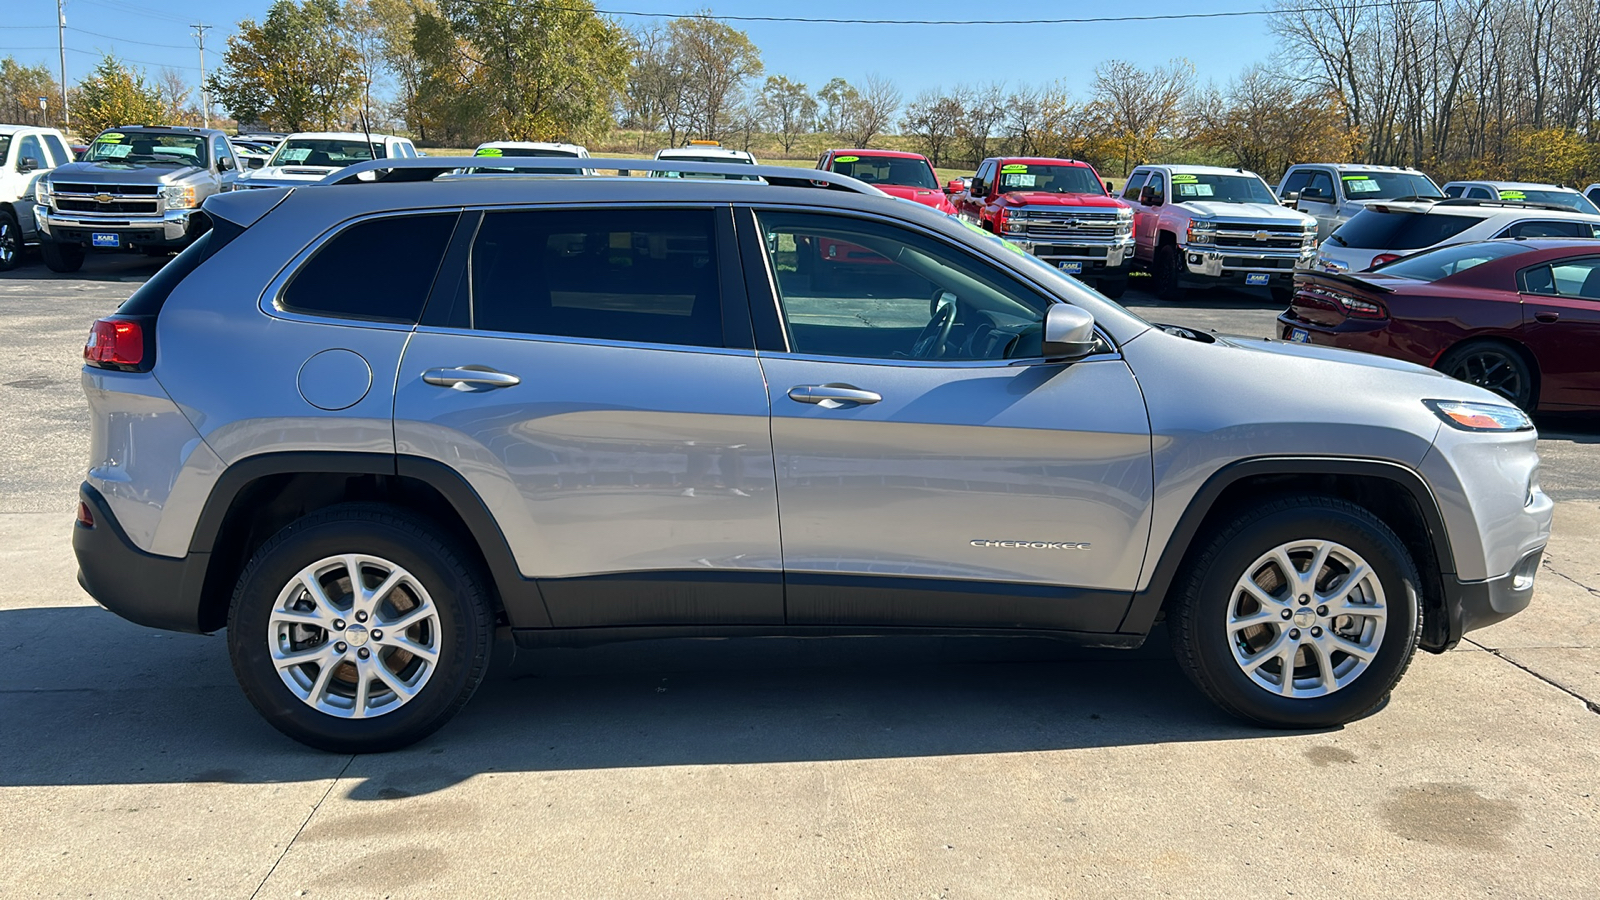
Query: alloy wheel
[
  {"x": 9, "y": 245},
  {"x": 1306, "y": 618},
  {"x": 1493, "y": 370}
]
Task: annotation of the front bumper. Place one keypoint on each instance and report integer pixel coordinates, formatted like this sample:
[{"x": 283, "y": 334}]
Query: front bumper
[
  {"x": 1095, "y": 259},
  {"x": 157, "y": 591},
  {"x": 1209, "y": 264},
  {"x": 174, "y": 228},
  {"x": 1471, "y": 605}
]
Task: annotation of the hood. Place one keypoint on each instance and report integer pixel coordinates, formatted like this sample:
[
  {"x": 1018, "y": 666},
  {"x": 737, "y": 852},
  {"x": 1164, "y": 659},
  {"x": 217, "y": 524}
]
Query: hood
[
  {"x": 111, "y": 172},
  {"x": 1331, "y": 354},
  {"x": 298, "y": 174},
  {"x": 1045, "y": 198},
  {"x": 926, "y": 196},
  {"x": 1256, "y": 213}
]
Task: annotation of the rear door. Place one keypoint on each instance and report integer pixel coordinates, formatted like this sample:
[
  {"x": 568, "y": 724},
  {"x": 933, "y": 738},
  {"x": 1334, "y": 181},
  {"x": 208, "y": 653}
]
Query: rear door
[
  {"x": 1561, "y": 320},
  {"x": 590, "y": 373},
  {"x": 932, "y": 471}
]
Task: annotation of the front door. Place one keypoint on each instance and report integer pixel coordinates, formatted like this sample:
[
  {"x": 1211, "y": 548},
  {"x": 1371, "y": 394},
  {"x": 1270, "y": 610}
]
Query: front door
[
  {"x": 579, "y": 370},
  {"x": 932, "y": 470},
  {"x": 1561, "y": 320}
]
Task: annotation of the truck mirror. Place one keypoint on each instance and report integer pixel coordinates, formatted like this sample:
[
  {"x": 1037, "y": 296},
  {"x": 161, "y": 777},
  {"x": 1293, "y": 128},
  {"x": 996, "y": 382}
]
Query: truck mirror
[
  {"x": 224, "y": 164},
  {"x": 953, "y": 186},
  {"x": 255, "y": 162},
  {"x": 1068, "y": 332},
  {"x": 1149, "y": 197},
  {"x": 977, "y": 188},
  {"x": 1109, "y": 188},
  {"x": 1291, "y": 198},
  {"x": 27, "y": 164}
]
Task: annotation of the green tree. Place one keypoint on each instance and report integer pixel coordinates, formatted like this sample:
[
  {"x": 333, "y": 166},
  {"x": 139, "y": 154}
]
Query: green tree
[
  {"x": 533, "y": 70},
  {"x": 20, "y": 89},
  {"x": 296, "y": 70},
  {"x": 787, "y": 109},
  {"x": 716, "y": 60},
  {"x": 114, "y": 94}
]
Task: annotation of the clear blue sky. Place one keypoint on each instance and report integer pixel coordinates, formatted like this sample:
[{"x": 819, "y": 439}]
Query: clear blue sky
[{"x": 155, "y": 33}]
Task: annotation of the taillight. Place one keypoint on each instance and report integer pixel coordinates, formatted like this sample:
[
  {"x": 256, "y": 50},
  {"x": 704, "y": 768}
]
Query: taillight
[
  {"x": 85, "y": 516},
  {"x": 1361, "y": 309},
  {"x": 1382, "y": 258},
  {"x": 116, "y": 344}
]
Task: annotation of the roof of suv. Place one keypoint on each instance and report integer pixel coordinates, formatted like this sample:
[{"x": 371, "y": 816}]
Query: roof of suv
[
  {"x": 1465, "y": 206},
  {"x": 1360, "y": 167}
]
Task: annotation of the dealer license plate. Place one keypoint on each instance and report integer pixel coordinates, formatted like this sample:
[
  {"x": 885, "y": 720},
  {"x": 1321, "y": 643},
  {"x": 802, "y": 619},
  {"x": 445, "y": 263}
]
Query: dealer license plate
[
  {"x": 1258, "y": 278},
  {"x": 102, "y": 239},
  {"x": 1071, "y": 268},
  {"x": 1299, "y": 334}
]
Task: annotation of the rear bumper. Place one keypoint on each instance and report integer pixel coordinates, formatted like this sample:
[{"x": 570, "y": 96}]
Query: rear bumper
[
  {"x": 157, "y": 591},
  {"x": 174, "y": 229}
]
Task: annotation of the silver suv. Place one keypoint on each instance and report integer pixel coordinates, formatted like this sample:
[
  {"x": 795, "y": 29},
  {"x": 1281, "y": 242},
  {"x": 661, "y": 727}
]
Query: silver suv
[{"x": 596, "y": 409}]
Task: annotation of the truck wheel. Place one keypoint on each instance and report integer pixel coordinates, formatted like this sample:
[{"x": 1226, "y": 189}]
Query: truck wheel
[
  {"x": 62, "y": 258},
  {"x": 359, "y": 629},
  {"x": 1113, "y": 287},
  {"x": 1301, "y": 612},
  {"x": 10, "y": 241},
  {"x": 1167, "y": 269}
]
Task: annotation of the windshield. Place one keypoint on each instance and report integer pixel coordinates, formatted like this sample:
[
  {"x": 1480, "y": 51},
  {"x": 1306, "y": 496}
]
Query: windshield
[
  {"x": 1433, "y": 265},
  {"x": 1569, "y": 199},
  {"x": 1375, "y": 229},
  {"x": 1187, "y": 186},
  {"x": 1049, "y": 179},
  {"x": 887, "y": 170},
  {"x": 148, "y": 147},
  {"x": 1388, "y": 185},
  {"x": 328, "y": 153},
  {"x": 536, "y": 152}
]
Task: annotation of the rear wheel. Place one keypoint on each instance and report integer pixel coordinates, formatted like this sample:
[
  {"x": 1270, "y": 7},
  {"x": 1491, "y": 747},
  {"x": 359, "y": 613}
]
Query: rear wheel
[
  {"x": 10, "y": 241},
  {"x": 1167, "y": 269},
  {"x": 1302, "y": 612},
  {"x": 62, "y": 258},
  {"x": 359, "y": 629},
  {"x": 1494, "y": 366}
]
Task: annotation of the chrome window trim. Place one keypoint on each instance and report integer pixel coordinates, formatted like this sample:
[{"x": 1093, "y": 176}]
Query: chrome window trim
[
  {"x": 1047, "y": 295},
  {"x": 581, "y": 341}
]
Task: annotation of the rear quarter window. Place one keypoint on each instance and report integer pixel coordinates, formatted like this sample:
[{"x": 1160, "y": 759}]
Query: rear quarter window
[
  {"x": 1379, "y": 230},
  {"x": 380, "y": 270}
]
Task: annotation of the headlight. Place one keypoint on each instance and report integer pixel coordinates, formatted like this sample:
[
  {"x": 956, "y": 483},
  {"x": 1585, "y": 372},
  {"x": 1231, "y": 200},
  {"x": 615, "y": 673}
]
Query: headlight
[
  {"x": 41, "y": 192},
  {"x": 179, "y": 196},
  {"x": 1479, "y": 416},
  {"x": 1310, "y": 240},
  {"x": 1202, "y": 232},
  {"x": 1124, "y": 214},
  {"x": 1015, "y": 226}
]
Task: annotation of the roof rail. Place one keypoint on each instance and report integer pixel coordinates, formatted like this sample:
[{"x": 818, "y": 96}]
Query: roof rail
[
  {"x": 431, "y": 167},
  {"x": 1509, "y": 204}
]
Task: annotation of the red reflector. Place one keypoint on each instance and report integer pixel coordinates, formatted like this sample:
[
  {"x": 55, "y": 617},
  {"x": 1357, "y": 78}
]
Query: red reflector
[
  {"x": 1382, "y": 258},
  {"x": 114, "y": 343},
  {"x": 85, "y": 517}
]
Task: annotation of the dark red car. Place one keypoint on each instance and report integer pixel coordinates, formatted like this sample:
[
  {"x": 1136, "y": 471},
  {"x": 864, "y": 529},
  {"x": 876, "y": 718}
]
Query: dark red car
[{"x": 1519, "y": 317}]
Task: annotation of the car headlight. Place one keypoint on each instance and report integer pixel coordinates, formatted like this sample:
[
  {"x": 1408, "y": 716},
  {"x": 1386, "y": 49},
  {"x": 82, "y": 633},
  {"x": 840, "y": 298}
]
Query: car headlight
[
  {"x": 1202, "y": 232},
  {"x": 1479, "y": 416},
  {"x": 1310, "y": 239},
  {"x": 179, "y": 196},
  {"x": 1015, "y": 226},
  {"x": 41, "y": 192},
  {"x": 1124, "y": 214}
]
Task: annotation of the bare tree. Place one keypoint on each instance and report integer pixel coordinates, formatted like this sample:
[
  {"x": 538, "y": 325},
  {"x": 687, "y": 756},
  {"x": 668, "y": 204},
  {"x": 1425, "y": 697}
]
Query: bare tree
[
  {"x": 174, "y": 93},
  {"x": 1146, "y": 108},
  {"x": 715, "y": 61},
  {"x": 787, "y": 109},
  {"x": 868, "y": 113},
  {"x": 931, "y": 121}
]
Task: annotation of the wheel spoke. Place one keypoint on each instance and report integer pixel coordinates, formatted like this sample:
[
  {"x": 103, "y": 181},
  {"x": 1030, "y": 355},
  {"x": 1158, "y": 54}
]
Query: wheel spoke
[
  {"x": 1347, "y": 646},
  {"x": 409, "y": 618},
  {"x": 1318, "y": 654},
  {"x": 401, "y": 643},
  {"x": 317, "y": 654},
  {"x": 400, "y": 688},
  {"x": 1264, "y": 617},
  {"x": 375, "y": 598},
  {"x": 1286, "y": 678},
  {"x": 1260, "y": 595},
  {"x": 1291, "y": 575},
  {"x": 1319, "y": 560},
  {"x": 319, "y": 687},
  {"x": 363, "y": 682},
  {"x": 1251, "y": 663},
  {"x": 319, "y": 597},
  {"x": 312, "y": 619}
]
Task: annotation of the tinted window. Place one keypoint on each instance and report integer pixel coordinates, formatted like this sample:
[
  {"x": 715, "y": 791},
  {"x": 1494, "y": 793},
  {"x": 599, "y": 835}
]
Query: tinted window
[
  {"x": 380, "y": 269},
  {"x": 1158, "y": 184},
  {"x": 1378, "y": 230},
  {"x": 1549, "y": 228},
  {"x": 221, "y": 150},
  {"x": 1478, "y": 193},
  {"x": 868, "y": 290},
  {"x": 621, "y": 275},
  {"x": 1453, "y": 190},
  {"x": 1446, "y": 261},
  {"x": 1130, "y": 191},
  {"x": 1572, "y": 278},
  {"x": 1320, "y": 188},
  {"x": 1296, "y": 181},
  {"x": 57, "y": 149}
]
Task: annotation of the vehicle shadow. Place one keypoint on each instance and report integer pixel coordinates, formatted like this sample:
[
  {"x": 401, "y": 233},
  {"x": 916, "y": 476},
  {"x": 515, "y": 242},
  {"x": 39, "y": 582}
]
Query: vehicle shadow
[
  {"x": 121, "y": 267},
  {"x": 1576, "y": 428},
  {"x": 89, "y": 699}
]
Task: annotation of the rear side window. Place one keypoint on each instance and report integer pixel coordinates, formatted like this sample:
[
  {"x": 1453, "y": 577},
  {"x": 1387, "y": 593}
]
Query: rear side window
[
  {"x": 379, "y": 270},
  {"x": 1373, "y": 229},
  {"x": 1446, "y": 261},
  {"x": 646, "y": 275},
  {"x": 1549, "y": 228},
  {"x": 1569, "y": 278}
]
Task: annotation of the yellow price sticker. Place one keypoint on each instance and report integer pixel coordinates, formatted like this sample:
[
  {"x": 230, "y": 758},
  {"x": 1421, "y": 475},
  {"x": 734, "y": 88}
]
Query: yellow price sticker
[
  {"x": 839, "y": 159},
  {"x": 1013, "y": 168},
  {"x": 110, "y": 137},
  {"x": 489, "y": 151},
  {"x": 1185, "y": 179},
  {"x": 1513, "y": 195}
]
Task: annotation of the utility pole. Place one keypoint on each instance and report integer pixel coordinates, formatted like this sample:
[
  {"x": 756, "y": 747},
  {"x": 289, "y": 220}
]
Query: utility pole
[
  {"x": 205, "y": 101},
  {"x": 61, "y": 43}
]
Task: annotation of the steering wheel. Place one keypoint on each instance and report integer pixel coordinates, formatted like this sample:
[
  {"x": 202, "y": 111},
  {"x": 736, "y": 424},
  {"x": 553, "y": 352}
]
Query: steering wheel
[{"x": 930, "y": 343}]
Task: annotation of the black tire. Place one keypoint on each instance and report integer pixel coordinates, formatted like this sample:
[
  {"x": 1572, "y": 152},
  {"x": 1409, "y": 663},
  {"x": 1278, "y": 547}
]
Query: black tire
[
  {"x": 62, "y": 258},
  {"x": 1113, "y": 287},
  {"x": 1205, "y": 590},
  {"x": 1493, "y": 366},
  {"x": 1283, "y": 295},
  {"x": 1167, "y": 269},
  {"x": 10, "y": 241},
  {"x": 456, "y": 586}
]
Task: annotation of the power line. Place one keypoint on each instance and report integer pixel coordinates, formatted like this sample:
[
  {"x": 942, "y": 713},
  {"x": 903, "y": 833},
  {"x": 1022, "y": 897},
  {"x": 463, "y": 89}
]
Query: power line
[{"x": 124, "y": 40}]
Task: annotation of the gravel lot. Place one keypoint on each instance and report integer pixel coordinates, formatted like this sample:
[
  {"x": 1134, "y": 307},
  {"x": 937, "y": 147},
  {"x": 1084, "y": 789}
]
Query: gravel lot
[{"x": 892, "y": 768}]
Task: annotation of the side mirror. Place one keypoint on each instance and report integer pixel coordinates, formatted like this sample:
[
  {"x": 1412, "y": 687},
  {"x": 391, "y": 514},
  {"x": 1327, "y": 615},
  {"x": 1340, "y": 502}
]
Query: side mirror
[
  {"x": 1068, "y": 332},
  {"x": 1312, "y": 193},
  {"x": 953, "y": 187},
  {"x": 255, "y": 162},
  {"x": 27, "y": 164},
  {"x": 224, "y": 164},
  {"x": 1291, "y": 198},
  {"x": 1149, "y": 197},
  {"x": 977, "y": 188},
  {"x": 1109, "y": 188}
]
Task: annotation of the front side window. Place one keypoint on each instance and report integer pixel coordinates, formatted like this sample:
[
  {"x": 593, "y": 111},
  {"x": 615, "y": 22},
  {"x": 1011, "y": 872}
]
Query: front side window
[
  {"x": 645, "y": 275},
  {"x": 1158, "y": 185},
  {"x": 869, "y": 290},
  {"x": 57, "y": 149},
  {"x": 30, "y": 148},
  {"x": 149, "y": 148},
  {"x": 220, "y": 149},
  {"x": 380, "y": 270},
  {"x": 1568, "y": 278},
  {"x": 1296, "y": 182},
  {"x": 1320, "y": 188},
  {"x": 1130, "y": 191}
]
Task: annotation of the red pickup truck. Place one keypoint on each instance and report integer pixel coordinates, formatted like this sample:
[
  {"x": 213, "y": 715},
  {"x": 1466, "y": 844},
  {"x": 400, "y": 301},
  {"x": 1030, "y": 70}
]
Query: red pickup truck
[
  {"x": 1058, "y": 210},
  {"x": 908, "y": 176}
]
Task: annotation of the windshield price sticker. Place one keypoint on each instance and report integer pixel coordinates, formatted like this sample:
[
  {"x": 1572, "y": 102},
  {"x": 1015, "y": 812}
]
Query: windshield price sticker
[
  {"x": 840, "y": 159},
  {"x": 1186, "y": 189},
  {"x": 294, "y": 154},
  {"x": 1012, "y": 168},
  {"x": 486, "y": 151},
  {"x": 115, "y": 151},
  {"x": 1185, "y": 179},
  {"x": 1013, "y": 179},
  {"x": 1360, "y": 185},
  {"x": 1513, "y": 195}
]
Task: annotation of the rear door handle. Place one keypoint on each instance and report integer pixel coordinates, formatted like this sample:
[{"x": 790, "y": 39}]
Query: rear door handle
[
  {"x": 1547, "y": 317},
  {"x": 832, "y": 395},
  {"x": 466, "y": 378}
]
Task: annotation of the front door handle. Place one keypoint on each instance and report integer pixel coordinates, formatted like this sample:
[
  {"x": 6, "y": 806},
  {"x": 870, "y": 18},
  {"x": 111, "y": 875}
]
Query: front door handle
[
  {"x": 832, "y": 396},
  {"x": 466, "y": 378},
  {"x": 1547, "y": 317}
]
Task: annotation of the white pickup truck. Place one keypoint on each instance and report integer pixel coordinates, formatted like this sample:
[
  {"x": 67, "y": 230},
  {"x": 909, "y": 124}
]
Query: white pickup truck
[{"x": 26, "y": 152}]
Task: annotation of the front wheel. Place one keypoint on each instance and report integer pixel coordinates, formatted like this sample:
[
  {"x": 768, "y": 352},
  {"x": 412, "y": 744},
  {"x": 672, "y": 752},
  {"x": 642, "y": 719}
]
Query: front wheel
[
  {"x": 1302, "y": 612},
  {"x": 1495, "y": 366},
  {"x": 61, "y": 258},
  {"x": 359, "y": 629},
  {"x": 1167, "y": 269},
  {"x": 10, "y": 241}
]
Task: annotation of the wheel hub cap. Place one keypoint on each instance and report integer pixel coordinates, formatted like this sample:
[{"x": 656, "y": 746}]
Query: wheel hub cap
[
  {"x": 1305, "y": 618},
  {"x": 356, "y": 636}
]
